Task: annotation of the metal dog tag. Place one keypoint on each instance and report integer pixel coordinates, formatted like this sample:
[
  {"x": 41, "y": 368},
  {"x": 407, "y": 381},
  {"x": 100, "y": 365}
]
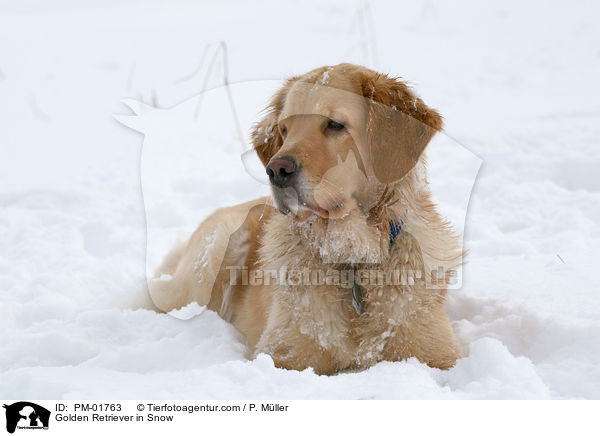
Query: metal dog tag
[{"x": 357, "y": 298}]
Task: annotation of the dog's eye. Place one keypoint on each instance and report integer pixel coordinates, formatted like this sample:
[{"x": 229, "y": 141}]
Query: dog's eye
[
  {"x": 335, "y": 125},
  {"x": 283, "y": 130}
]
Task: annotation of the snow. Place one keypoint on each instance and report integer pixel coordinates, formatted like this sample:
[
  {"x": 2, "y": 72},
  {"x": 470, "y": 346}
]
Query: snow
[{"x": 516, "y": 83}]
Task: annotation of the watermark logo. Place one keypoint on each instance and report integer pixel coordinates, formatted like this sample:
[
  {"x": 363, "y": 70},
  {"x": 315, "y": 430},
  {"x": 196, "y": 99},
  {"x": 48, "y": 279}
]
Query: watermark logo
[
  {"x": 327, "y": 171},
  {"x": 25, "y": 415}
]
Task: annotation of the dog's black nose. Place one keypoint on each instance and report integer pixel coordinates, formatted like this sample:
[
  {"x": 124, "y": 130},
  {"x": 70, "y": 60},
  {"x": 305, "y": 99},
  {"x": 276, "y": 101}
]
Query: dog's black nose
[{"x": 281, "y": 171}]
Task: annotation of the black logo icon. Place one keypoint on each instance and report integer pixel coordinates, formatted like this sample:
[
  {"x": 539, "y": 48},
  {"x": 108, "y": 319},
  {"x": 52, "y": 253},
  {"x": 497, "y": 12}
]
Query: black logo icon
[{"x": 26, "y": 415}]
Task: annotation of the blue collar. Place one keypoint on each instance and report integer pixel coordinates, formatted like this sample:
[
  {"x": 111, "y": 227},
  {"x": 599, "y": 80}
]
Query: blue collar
[
  {"x": 395, "y": 229},
  {"x": 396, "y": 226}
]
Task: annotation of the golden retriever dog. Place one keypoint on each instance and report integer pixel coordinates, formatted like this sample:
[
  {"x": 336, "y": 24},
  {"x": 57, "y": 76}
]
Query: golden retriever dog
[{"x": 340, "y": 268}]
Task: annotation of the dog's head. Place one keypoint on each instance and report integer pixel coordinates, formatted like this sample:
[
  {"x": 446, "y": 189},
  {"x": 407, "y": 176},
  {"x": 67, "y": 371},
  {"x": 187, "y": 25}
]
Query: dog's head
[{"x": 334, "y": 137}]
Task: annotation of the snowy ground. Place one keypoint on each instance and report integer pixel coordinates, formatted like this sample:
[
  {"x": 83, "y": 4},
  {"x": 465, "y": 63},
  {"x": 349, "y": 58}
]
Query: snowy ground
[{"x": 516, "y": 82}]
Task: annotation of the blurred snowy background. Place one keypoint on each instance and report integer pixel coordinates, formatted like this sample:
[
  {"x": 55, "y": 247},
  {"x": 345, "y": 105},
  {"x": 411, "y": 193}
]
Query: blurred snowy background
[{"x": 517, "y": 85}]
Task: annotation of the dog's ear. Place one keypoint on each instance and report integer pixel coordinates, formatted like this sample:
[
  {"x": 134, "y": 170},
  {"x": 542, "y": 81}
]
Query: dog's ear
[
  {"x": 266, "y": 139},
  {"x": 399, "y": 128}
]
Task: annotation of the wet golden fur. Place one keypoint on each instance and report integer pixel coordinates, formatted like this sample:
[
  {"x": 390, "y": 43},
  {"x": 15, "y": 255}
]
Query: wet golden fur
[{"x": 343, "y": 219}]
